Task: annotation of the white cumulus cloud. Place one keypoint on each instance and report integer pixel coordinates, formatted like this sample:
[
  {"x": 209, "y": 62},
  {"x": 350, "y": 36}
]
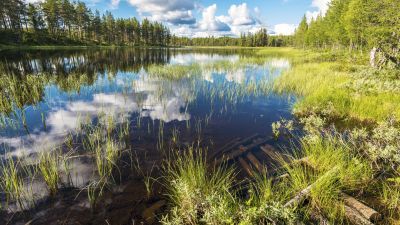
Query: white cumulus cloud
[
  {"x": 210, "y": 22},
  {"x": 172, "y": 11},
  {"x": 240, "y": 15},
  {"x": 284, "y": 29}
]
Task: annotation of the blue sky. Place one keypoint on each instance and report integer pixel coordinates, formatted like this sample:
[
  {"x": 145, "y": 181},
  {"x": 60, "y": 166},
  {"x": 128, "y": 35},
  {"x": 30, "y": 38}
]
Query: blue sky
[{"x": 197, "y": 18}]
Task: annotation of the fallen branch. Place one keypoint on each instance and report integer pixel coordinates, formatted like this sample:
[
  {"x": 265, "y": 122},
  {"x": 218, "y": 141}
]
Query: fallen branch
[
  {"x": 363, "y": 209},
  {"x": 303, "y": 194}
]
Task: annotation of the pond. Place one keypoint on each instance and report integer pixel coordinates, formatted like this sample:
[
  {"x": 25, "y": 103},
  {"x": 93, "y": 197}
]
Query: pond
[{"x": 140, "y": 101}]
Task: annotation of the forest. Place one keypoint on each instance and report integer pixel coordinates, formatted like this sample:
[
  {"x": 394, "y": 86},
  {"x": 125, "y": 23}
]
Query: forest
[
  {"x": 355, "y": 24},
  {"x": 63, "y": 22},
  {"x": 261, "y": 38}
]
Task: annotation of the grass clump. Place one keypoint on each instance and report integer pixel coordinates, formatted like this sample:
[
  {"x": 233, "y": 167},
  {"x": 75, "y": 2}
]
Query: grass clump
[
  {"x": 12, "y": 182},
  {"x": 174, "y": 72},
  {"x": 197, "y": 194},
  {"x": 322, "y": 155},
  {"x": 203, "y": 194},
  {"x": 48, "y": 166},
  {"x": 106, "y": 159},
  {"x": 265, "y": 204}
]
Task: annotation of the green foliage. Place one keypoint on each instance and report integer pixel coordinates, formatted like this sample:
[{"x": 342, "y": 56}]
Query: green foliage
[
  {"x": 355, "y": 24},
  {"x": 257, "y": 39}
]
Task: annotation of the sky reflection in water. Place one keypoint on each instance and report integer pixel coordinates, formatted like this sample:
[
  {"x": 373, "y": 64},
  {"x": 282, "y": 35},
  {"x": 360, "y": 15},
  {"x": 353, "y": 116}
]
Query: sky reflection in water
[{"x": 122, "y": 88}]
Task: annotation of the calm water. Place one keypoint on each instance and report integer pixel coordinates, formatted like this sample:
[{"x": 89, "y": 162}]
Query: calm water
[{"x": 45, "y": 96}]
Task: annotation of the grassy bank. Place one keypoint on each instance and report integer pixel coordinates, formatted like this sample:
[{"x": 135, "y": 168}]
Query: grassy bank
[
  {"x": 340, "y": 85},
  {"x": 333, "y": 87}
]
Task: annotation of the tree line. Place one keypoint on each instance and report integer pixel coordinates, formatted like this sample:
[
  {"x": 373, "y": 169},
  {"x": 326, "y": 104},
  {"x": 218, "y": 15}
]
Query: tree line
[
  {"x": 257, "y": 39},
  {"x": 66, "y": 22},
  {"x": 357, "y": 24},
  {"x": 63, "y": 22}
]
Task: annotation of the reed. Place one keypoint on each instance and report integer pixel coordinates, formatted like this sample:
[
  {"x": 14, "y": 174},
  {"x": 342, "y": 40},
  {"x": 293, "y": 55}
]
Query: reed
[
  {"x": 48, "y": 166},
  {"x": 12, "y": 183}
]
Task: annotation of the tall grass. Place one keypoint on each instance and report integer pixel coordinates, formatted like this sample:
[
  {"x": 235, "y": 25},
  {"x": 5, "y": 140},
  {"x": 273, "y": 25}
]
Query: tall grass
[
  {"x": 205, "y": 194},
  {"x": 12, "y": 182},
  {"x": 323, "y": 154},
  {"x": 197, "y": 193},
  {"x": 48, "y": 167},
  {"x": 333, "y": 81}
]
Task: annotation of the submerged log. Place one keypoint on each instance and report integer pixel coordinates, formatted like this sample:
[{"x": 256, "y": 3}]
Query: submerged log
[
  {"x": 255, "y": 162},
  {"x": 364, "y": 210},
  {"x": 241, "y": 150},
  {"x": 355, "y": 217},
  {"x": 224, "y": 148},
  {"x": 235, "y": 143},
  {"x": 245, "y": 166},
  {"x": 149, "y": 214},
  {"x": 273, "y": 153}
]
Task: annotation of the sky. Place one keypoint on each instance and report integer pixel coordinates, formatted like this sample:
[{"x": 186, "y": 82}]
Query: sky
[{"x": 202, "y": 18}]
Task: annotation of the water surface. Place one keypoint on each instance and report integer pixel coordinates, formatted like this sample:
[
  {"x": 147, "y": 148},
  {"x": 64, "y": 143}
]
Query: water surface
[{"x": 220, "y": 95}]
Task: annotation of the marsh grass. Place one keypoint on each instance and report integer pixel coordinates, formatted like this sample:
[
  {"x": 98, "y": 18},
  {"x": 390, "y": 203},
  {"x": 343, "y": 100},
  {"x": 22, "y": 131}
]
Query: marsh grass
[
  {"x": 196, "y": 193},
  {"x": 106, "y": 159},
  {"x": 201, "y": 193},
  {"x": 48, "y": 166},
  {"x": 12, "y": 182},
  {"x": 174, "y": 72},
  {"x": 341, "y": 81},
  {"x": 390, "y": 197},
  {"x": 323, "y": 154}
]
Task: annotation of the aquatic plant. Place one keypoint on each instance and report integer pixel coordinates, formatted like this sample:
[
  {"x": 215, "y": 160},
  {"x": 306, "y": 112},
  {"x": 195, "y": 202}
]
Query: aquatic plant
[
  {"x": 12, "y": 183},
  {"x": 173, "y": 71},
  {"x": 48, "y": 166}
]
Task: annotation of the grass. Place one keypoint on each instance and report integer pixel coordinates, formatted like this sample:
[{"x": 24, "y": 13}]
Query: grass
[
  {"x": 12, "y": 183},
  {"x": 205, "y": 194},
  {"x": 329, "y": 80},
  {"x": 102, "y": 141},
  {"x": 48, "y": 167},
  {"x": 173, "y": 71},
  {"x": 197, "y": 194},
  {"x": 324, "y": 154}
]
